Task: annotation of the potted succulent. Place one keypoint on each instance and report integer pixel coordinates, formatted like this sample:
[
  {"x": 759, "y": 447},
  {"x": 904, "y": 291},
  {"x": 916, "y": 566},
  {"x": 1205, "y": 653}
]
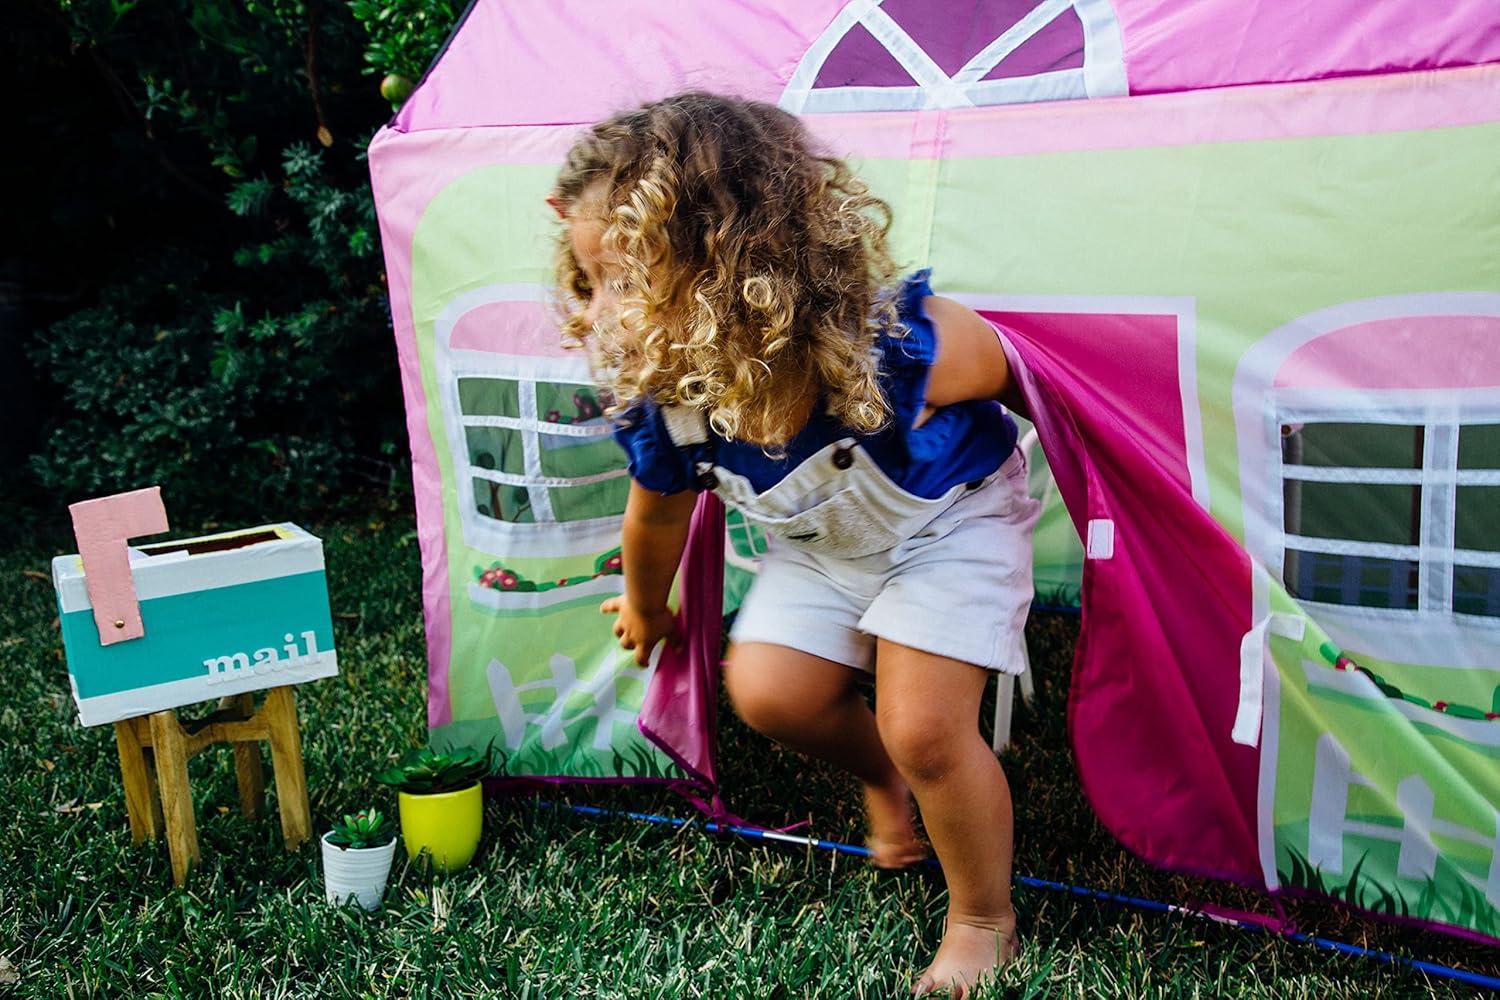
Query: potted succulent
[
  {"x": 440, "y": 803},
  {"x": 357, "y": 856}
]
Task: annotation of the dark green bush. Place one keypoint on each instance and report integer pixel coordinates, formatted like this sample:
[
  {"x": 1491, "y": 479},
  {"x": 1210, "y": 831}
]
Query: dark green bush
[
  {"x": 236, "y": 346},
  {"x": 404, "y": 35}
]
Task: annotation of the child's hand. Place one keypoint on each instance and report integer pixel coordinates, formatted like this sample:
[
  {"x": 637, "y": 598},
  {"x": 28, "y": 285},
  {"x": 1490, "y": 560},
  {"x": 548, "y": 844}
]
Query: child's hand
[{"x": 638, "y": 630}]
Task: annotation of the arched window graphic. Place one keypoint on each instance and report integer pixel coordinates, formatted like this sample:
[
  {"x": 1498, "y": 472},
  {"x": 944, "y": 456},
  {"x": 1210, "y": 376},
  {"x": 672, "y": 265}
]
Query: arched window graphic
[
  {"x": 536, "y": 471},
  {"x": 1370, "y": 471},
  {"x": 907, "y": 55}
]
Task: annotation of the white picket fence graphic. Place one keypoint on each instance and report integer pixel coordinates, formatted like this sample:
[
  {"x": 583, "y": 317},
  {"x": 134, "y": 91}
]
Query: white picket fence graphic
[
  {"x": 1329, "y": 823},
  {"x": 600, "y": 688}
]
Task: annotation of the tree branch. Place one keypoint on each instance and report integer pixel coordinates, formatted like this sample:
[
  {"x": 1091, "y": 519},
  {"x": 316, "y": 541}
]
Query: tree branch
[{"x": 310, "y": 58}]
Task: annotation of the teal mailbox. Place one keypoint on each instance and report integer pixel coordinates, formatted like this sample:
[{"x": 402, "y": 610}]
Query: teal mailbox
[{"x": 223, "y": 614}]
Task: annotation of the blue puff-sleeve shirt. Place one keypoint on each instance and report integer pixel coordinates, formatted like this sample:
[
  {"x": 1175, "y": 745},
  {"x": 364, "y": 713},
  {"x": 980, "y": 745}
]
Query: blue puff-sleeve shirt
[{"x": 958, "y": 443}]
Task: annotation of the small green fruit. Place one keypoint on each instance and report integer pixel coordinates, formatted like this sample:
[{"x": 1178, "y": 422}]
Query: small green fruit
[{"x": 396, "y": 88}]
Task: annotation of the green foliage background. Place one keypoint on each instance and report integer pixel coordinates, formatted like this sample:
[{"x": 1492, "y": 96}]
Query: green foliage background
[{"x": 205, "y": 210}]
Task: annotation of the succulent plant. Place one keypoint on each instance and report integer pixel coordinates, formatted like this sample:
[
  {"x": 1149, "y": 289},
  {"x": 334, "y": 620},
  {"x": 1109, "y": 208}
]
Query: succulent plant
[
  {"x": 367, "y": 828},
  {"x": 424, "y": 771}
]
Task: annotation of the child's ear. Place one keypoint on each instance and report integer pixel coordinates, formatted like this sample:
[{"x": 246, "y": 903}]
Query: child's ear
[{"x": 557, "y": 206}]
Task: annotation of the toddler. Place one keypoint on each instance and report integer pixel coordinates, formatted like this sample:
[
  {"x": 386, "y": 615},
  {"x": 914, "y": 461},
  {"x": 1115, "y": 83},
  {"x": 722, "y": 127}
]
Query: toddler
[{"x": 738, "y": 294}]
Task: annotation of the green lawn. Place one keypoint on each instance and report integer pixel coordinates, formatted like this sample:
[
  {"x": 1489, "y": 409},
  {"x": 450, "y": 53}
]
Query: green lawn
[{"x": 557, "y": 904}]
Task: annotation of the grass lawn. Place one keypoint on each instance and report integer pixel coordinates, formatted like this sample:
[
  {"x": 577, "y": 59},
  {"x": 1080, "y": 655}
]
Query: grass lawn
[{"x": 557, "y": 904}]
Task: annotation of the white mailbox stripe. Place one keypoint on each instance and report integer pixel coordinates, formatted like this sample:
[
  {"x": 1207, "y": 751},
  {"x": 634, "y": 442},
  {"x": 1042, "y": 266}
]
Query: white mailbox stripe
[
  {"x": 172, "y": 574},
  {"x": 142, "y": 701}
]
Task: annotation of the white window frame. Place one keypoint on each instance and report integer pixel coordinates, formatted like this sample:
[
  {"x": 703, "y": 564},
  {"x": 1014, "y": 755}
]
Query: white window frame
[
  {"x": 545, "y": 536},
  {"x": 1441, "y": 415},
  {"x": 1424, "y": 636},
  {"x": 1102, "y": 73}
]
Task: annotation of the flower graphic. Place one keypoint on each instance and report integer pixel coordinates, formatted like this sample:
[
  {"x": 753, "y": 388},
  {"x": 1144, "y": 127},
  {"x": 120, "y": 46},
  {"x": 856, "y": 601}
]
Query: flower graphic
[
  {"x": 608, "y": 562},
  {"x": 499, "y": 578},
  {"x": 588, "y": 407}
]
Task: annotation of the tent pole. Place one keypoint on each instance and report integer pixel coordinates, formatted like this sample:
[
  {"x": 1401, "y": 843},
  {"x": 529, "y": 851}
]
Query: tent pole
[{"x": 835, "y": 847}]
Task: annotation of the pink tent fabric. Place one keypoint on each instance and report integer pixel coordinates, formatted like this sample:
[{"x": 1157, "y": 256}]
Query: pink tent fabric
[
  {"x": 679, "y": 714},
  {"x": 752, "y": 49},
  {"x": 1152, "y": 704},
  {"x": 1132, "y": 718}
]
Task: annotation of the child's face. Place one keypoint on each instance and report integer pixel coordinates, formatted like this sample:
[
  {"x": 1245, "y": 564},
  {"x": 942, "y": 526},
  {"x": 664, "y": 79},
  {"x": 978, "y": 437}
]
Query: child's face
[{"x": 599, "y": 266}]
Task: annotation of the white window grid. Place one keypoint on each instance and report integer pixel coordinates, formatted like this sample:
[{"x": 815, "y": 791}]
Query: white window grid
[
  {"x": 1435, "y": 555},
  {"x": 532, "y": 430},
  {"x": 534, "y": 435},
  {"x": 545, "y": 533}
]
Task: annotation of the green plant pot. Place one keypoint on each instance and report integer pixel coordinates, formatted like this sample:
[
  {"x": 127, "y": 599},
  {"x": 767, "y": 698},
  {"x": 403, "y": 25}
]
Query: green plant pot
[{"x": 447, "y": 825}]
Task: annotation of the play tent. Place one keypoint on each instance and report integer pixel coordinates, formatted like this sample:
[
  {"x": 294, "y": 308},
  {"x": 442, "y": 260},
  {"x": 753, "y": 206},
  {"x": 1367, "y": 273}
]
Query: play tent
[{"x": 1246, "y": 257}]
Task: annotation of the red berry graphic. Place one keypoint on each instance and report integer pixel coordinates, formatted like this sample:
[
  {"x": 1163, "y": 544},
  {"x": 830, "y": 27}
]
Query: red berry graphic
[
  {"x": 1440, "y": 706},
  {"x": 585, "y": 405}
]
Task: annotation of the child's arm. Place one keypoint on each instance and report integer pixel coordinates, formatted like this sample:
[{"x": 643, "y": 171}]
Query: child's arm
[
  {"x": 970, "y": 362},
  {"x": 656, "y": 530}
]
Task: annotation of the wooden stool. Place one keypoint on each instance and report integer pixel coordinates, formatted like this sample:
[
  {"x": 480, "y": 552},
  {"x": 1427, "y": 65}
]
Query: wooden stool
[{"x": 161, "y": 738}]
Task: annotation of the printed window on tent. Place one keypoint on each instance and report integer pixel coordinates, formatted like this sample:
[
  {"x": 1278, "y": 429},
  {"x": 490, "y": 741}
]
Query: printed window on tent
[
  {"x": 538, "y": 451},
  {"x": 1399, "y": 517},
  {"x": 902, "y": 55}
]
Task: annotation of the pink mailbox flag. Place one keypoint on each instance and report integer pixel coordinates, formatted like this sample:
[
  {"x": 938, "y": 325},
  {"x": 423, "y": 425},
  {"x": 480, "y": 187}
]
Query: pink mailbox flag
[
  {"x": 1245, "y": 266},
  {"x": 102, "y": 528}
]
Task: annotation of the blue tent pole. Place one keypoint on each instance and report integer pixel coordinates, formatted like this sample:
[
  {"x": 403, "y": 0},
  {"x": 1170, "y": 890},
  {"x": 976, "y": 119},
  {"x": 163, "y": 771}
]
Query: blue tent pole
[{"x": 1326, "y": 944}]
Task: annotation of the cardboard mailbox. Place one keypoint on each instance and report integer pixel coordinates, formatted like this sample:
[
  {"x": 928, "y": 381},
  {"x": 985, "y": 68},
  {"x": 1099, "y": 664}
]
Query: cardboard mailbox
[{"x": 224, "y": 614}]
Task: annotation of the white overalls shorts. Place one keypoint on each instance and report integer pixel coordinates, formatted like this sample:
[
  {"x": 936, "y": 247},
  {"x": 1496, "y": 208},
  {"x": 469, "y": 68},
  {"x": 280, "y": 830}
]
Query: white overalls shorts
[{"x": 854, "y": 557}]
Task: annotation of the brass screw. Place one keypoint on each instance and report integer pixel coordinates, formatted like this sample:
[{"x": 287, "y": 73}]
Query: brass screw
[{"x": 119, "y": 623}]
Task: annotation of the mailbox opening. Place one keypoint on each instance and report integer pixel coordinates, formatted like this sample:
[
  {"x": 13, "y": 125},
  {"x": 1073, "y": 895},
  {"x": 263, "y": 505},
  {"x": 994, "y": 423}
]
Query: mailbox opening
[{"x": 199, "y": 546}]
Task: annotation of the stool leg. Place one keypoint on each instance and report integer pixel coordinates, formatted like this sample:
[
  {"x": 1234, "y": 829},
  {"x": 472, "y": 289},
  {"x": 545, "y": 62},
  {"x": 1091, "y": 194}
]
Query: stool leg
[
  {"x": 141, "y": 804},
  {"x": 280, "y": 711},
  {"x": 169, "y": 747},
  {"x": 249, "y": 774}
]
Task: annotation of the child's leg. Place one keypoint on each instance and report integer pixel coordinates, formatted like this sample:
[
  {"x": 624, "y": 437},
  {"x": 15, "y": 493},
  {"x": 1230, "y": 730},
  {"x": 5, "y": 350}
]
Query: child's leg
[
  {"x": 811, "y": 705},
  {"x": 927, "y": 707}
]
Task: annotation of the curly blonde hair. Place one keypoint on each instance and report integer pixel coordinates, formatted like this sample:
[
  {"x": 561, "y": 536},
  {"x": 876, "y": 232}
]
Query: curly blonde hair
[{"x": 752, "y": 268}]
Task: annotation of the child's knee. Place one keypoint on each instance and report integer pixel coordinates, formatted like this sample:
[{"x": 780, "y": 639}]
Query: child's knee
[
  {"x": 922, "y": 744},
  {"x": 767, "y": 699},
  {"x": 762, "y": 705}
]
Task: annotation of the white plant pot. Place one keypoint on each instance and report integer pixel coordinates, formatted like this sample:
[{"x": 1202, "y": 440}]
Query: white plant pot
[{"x": 358, "y": 874}]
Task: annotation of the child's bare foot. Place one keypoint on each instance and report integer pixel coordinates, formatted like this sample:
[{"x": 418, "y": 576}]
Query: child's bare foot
[
  {"x": 895, "y": 854},
  {"x": 968, "y": 956},
  {"x": 892, "y": 839}
]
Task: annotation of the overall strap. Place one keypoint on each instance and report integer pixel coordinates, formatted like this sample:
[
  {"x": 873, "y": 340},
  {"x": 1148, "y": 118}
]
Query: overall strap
[{"x": 686, "y": 425}]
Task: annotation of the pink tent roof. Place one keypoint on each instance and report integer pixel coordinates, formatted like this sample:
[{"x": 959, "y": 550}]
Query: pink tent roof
[{"x": 537, "y": 62}]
